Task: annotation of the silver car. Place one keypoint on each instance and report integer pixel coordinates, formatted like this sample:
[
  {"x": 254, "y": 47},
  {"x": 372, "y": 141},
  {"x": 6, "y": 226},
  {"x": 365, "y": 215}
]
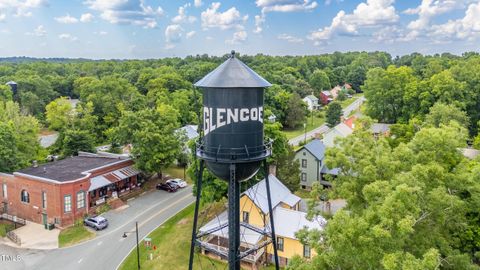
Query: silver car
[{"x": 97, "y": 223}]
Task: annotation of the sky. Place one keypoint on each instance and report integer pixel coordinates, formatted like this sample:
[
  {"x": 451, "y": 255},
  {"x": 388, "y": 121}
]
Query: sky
[{"x": 130, "y": 29}]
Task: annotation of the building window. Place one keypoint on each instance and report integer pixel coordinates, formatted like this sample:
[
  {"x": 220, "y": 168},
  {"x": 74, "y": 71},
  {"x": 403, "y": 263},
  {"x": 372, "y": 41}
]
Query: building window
[
  {"x": 246, "y": 216},
  {"x": 306, "y": 251},
  {"x": 280, "y": 243},
  {"x": 44, "y": 200},
  {"x": 25, "y": 197},
  {"x": 80, "y": 199},
  {"x": 304, "y": 163},
  {"x": 67, "y": 203},
  {"x": 304, "y": 177},
  {"x": 4, "y": 190}
]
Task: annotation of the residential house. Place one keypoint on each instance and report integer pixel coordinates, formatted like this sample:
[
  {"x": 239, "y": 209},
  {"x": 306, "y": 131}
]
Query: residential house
[
  {"x": 190, "y": 131},
  {"x": 255, "y": 213},
  {"x": 63, "y": 191},
  {"x": 341, "y": 130},
  {"x": 380, "y": 129},
  {"x": 335, "y": 91},
  {"x": 312, "y": 102},
  {"x": 325, "y": 97},
  {"x": 312, "y": 167}
]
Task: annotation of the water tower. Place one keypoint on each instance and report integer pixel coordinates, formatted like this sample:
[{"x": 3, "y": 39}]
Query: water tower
[
  {"x": 232, "y": 147},
  {"x": 13, "y": 87}
]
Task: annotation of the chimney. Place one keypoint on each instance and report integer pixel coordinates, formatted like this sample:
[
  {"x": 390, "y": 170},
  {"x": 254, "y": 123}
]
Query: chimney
[
  {"x": 35, "y": 164},
  {"x": 272, "y": 169}
]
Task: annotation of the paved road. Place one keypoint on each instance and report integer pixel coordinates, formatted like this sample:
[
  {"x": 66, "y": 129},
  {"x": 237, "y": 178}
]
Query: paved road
[
  {"x": 324, "y": 128},
  {"x": 108, "y": 249}
]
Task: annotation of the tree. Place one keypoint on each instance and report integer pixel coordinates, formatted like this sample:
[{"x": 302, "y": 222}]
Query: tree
[
  {"x": 385, "y": 91},
  {"x": 408, "y": 207},
  {"x": 441, "y": 113},
  {"x": 8, "y": 151},
  {"x": 151, "y": 132},
  {"x": 333, "y": 114},
  {"x": 319, "y": 80},
  {"x": 25, "y": 131},
  {"x": 75, "y": 141},
  {"x": 296, "y": 112},
  {"x": 288, "y": 170},
  {"x": 59, "y": 113}
]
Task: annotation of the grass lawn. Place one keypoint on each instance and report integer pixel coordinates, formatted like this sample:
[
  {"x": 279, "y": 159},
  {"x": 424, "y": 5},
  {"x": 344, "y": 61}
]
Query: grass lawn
[
  {"x": 349, "y": 101},
  {"x": 302, "y": 193},
  {"x": 73, "y": 235},
  {"x": 172, "y": 241},
  {"x": 317, "y": 121},
  {"x": 4, "y": 228}
]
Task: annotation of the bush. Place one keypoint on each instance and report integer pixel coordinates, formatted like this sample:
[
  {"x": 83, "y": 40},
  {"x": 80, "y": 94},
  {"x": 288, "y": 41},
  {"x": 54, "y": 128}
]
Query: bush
[{"x": 103, "y": 208}]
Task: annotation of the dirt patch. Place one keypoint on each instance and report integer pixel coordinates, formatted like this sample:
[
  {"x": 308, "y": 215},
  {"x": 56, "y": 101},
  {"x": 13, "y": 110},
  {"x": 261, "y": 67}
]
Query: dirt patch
[{"x": 183, "y": 221}]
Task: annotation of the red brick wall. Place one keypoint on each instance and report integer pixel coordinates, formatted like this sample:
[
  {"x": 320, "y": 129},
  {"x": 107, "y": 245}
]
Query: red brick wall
[{"x": 55, "y": 196}]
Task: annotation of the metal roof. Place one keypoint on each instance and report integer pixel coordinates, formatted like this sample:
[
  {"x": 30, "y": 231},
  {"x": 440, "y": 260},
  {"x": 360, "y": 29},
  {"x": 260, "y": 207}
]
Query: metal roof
[
  {"x": 233, "y": 73},
  {"x": 278, "y": 191},
  {"x": 316, "y": 148},
  {"x": 288, "y": 222}
]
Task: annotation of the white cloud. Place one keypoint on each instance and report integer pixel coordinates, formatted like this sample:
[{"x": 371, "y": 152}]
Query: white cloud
[
  {"x": 173, "y": 34},
  {"x": 285, "y": 5},
  {"x": 289, "y": 38},
  {"x": 182, "y": 17},
  {"x": 190, "y": 34},
  {"x": 86, "y": 17},
  {"x": 39, "y": 31},
  {"x": 231, "y": 18},
  {"x": 373, "y": 13},
  {"x": 197, "y": 3},
  {"x": 430, "y": 8},
  {"x": 134, "y": 12},
  {"x": 238, "y": 37},
  {"x": 68, "y": 37},
  {"x": 259, "y": 21},
  {"x": 467, "y": 27},
  {"x": 67, "y": 19},
  {"x": 21, "y": 8},
  {"x": 101, "y": 33},
  {"x": 2, "y": 17}
]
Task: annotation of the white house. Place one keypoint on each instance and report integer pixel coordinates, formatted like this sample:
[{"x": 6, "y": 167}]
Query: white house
[
  {"x": 341, "y": 130},
  {"x": 312, "y": 102}
]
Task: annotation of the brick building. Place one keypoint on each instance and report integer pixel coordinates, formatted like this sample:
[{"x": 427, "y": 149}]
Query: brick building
[{"x": 62, "y": 191}]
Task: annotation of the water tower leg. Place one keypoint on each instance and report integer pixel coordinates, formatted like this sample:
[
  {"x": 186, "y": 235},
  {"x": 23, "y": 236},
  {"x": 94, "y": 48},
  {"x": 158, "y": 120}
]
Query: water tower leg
[
  {"x": 195, "y": 216},
  {"x": 270, "y": 210},
  {"x": 233, "y": 220}
]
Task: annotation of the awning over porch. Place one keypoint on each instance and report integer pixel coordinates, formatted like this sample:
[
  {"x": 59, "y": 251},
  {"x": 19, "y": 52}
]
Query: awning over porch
[
  {"x": 98, "y": 182},
  {"x": 112, "y": 177}
]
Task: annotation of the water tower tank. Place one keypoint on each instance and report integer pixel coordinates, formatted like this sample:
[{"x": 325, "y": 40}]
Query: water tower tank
[{"x": 233, "y": 120}]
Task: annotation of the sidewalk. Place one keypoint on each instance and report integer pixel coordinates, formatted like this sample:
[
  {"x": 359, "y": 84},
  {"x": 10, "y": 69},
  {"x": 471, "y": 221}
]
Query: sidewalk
[{"x": 35, "y": 236}]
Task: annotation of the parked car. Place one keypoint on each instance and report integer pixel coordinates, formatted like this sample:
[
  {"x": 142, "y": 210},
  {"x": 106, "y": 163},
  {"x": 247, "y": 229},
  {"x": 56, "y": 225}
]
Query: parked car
[
  {"x": 97, "y": 223},
  {"x": 170, "y": 187},
  {"x": 179, "y": 182}
]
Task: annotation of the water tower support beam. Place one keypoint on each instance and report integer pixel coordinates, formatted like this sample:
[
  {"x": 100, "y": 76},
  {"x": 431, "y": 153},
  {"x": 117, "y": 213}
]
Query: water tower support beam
[
  {"x": 270, "y": 210},
  {"x": 195, "y": 216},
  {"x": 233, "y": 220}
]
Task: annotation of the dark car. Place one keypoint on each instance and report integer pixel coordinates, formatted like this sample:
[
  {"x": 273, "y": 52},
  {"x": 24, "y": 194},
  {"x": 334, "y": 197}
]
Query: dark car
[
  {"x": 167, "y": 187},
  {"x": 97, "y": 223}
]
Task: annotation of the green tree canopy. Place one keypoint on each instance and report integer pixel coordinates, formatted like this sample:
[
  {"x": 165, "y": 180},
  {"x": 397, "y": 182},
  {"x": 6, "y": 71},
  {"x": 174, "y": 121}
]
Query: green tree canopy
[{"x": 333, "y": 114}]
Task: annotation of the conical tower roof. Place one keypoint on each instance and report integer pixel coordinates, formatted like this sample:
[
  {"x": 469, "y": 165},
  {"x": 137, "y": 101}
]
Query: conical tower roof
[{"x": 233, "y": 73}]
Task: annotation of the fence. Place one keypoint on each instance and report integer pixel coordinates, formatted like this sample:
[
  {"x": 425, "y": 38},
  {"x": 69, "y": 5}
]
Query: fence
[
  {"x": 16, "y": 222},
  {"x": 14, "y": 237}
]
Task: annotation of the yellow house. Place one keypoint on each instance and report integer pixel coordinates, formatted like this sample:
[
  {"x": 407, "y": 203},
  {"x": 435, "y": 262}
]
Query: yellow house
[{"x": 288, "y": 219}]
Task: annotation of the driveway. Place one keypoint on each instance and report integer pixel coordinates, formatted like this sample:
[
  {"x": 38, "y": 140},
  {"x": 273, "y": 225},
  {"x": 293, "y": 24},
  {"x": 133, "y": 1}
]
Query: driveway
[{"x": 109, "y": 248}]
